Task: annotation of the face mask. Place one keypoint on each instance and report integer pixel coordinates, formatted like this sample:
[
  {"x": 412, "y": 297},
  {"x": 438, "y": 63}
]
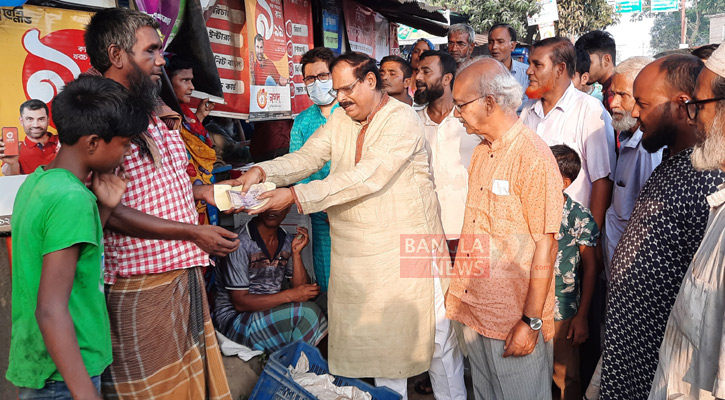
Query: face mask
[{"x": 319, "y": 92}]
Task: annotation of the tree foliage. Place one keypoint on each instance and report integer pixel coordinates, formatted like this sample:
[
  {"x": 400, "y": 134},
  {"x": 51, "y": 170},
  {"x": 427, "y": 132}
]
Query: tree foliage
[
  {"x": 576, "y": 17},
  {"x": 483, "y": 14},
  {"x": 666, "y": 31}
]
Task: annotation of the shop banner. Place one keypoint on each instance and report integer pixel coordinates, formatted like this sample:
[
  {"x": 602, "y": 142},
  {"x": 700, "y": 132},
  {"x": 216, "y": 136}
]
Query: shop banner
[
  {"x": 228, "y": 37},
  {"x": 298, "y": 28},
  {"x": 382, "y": 37},
  {"x": 169, "y": 14},
  {"x": 548, "y": 14},
  {"x": 358, "y": 21},
  {"x": 394, "y": 47},
  {"x": 269, "y": 66},
  {"x": 331, "y": 26},
  {"x": 43, "y": 49}
]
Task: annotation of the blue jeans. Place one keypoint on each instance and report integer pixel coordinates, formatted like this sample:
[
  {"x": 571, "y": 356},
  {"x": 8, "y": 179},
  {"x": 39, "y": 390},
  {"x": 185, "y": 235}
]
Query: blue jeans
[{"x": 53, "y": 390}]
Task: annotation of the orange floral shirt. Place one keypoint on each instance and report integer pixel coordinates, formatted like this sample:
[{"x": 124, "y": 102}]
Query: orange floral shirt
[{"x": 514, "y": 199}]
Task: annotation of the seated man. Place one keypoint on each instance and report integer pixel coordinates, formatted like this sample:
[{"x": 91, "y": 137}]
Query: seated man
[{"x": 251, "y": 307}]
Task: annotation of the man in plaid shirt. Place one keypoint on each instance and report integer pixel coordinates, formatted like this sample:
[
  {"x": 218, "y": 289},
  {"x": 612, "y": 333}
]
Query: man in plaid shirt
[{"x": 163, "y": 340}]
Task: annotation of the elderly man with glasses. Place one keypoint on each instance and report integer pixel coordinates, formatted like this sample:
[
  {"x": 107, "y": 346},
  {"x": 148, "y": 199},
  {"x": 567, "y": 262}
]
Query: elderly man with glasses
[
  {"x": 388, "y": 248},
  {"x": 514, "y": 209}
]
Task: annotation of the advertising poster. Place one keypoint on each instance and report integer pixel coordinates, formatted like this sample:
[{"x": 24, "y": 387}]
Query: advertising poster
[
  {"x": 548, "y": 14},
  {"x": 228, "y": 37},
  {"x": 270, "y": 90},
  {"x": 43, "y": 49},
  {"x": 394, "y": 47},
  {"x": 169, "y": 14},
  {"x": 331, "y": 26},
  {"x": 298, "y": 28},
  {"x": 358, "y": 21}
]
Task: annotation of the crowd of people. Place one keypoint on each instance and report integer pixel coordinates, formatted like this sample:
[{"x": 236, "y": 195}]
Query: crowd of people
[{"x": 462, "y": 208}]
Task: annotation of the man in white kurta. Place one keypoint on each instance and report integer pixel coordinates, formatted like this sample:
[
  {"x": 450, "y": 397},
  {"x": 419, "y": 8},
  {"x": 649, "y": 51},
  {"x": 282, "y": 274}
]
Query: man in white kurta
[
  {"x": 378, "y": 194},
  {"x": 692, "y": 355}
]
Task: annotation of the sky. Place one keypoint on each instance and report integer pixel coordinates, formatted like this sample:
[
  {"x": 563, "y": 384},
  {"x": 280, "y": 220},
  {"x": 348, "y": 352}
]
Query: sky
[{"x": 632, "y": 38}]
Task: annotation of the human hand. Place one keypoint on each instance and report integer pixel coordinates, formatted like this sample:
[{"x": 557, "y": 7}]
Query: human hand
[
  {"x": 300, "y": 241},
  {"x": 304, "y": 292},
  {"x": 203, "y": 109},
  {"x": 578, "y": 329},
  {"x": 520, "y": 341},
  {"x": 253, "y": 176},
  {"x": 215, "y": 240},
  {"x": 279, "y": 199},
  {"x": 109, "y": 187}
]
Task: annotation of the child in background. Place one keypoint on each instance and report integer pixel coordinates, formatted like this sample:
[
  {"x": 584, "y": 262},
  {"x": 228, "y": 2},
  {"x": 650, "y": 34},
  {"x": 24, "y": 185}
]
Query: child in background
[
  {"x": 575, "y": 274},
  {"x": 61, "y": 340}
]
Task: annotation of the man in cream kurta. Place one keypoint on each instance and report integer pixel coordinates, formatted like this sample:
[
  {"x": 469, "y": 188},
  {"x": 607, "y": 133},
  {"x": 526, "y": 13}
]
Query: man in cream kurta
[{"x": 379, "y": 192}]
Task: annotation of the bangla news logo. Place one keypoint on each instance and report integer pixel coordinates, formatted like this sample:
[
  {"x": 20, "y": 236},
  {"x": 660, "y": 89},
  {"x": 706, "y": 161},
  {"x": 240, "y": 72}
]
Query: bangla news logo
[{"x": 262, "y": 98}]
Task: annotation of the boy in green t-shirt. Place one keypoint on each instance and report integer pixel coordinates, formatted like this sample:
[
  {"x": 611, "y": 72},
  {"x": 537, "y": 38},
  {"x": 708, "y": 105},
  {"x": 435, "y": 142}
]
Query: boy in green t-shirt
[
  {"x": 61, "y": 339},
  {"x": 574, "y": 275}
]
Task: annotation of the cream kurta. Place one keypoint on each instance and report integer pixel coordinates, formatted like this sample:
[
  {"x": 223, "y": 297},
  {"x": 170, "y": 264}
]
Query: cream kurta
[{"x": 381, "y": 325}]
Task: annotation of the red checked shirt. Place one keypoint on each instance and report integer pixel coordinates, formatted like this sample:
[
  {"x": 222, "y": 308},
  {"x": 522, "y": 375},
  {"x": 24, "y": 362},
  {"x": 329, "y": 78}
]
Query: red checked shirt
[{"x": 163, "y": 192}]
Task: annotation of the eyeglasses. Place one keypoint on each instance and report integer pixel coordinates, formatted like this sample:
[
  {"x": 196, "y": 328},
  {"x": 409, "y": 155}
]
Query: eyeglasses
[
  {"x": 323, "y": 77},
  {"x": 459, "y": 107},
  {"x": 694, "y": 106},
  {"x": 346, "y": 90},
  {"x": 459, "y": 45}
]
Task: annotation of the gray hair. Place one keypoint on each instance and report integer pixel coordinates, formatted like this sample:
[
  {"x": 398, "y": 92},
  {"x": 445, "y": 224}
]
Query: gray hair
[
  {"x": 463, "y": 28},
  {"x": 631, "y": 66},
  {"x": 113, "y": 26},
  {"x": 501, "y": 85}
]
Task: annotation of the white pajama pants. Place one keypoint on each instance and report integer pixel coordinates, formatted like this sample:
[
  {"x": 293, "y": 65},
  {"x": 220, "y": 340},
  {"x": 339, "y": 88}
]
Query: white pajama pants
[{"x": 446, "y": 367}]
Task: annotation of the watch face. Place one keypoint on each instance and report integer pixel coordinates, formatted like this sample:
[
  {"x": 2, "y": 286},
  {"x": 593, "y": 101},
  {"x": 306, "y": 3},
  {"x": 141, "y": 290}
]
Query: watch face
[{"x": 536, "y": 324}]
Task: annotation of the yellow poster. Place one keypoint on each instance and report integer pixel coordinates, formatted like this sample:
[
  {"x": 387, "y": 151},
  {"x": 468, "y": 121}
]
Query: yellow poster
[{"x": 42, "y": 49}]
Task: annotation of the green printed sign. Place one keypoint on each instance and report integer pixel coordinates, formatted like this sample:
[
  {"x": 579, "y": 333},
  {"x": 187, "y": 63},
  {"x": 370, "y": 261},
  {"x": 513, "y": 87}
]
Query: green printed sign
[
  {"x": 628, "y": 6},
  {"x": 665, "y": 5}
]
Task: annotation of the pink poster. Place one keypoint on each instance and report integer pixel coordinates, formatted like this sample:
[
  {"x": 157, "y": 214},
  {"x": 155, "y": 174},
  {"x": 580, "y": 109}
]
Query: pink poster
[
  {"x": 360, "y": 24},
  {"x": 298, "y": 28}
]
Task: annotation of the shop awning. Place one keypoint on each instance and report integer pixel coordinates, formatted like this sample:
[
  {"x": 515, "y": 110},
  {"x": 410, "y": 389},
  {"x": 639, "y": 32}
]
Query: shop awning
[{"x": 412, "y": 13}]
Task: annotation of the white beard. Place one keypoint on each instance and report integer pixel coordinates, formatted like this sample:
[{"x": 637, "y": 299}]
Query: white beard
[
  {"x": 710, "y": 153},
  {"x": 625, "y": 124}
]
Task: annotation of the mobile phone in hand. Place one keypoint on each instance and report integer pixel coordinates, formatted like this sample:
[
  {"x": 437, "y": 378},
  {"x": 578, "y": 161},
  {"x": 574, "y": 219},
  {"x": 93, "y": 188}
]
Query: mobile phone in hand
[{"x": 10, "y": 138}]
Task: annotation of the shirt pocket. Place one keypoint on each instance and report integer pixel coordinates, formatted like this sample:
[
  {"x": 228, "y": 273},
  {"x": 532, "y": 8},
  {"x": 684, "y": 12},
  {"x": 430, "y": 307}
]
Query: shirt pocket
[
  {"x": 505, "y": 213},
  {"x": 689, "y": 308}
]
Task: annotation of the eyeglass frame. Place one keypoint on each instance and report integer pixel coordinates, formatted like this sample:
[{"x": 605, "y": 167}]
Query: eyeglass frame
[
  {"x": 316, "y": 78},
  {"x": 459, "y": 107},
  {"x": 346, "y": 90},
  {"x": 696, "y": 103}
]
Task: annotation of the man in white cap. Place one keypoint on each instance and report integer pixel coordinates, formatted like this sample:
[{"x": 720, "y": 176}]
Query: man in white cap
[{"x": 692, "y": 356}]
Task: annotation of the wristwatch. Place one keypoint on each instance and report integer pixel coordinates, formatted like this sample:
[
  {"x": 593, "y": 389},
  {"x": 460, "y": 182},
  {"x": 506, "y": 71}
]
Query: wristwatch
[{"x": 534, "y": 323}]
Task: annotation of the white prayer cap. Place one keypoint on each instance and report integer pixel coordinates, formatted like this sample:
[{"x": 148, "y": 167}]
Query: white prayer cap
[{"x": 716, "y": 62}]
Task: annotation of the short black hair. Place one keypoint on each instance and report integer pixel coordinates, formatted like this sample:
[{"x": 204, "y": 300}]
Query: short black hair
[
  {"x": 258, "y": 37},
  {"x": 93, "y": 105},
  {"x": 512, "y": 31},
  {"x": 583, "y": 62},
  {"x": 113, "y": 26},
  {"x": 704, "y": 52},
  {"x": 315, "y": 55},
  {"x": 681, "y": 71},
  {"x": 562, "y": 51},
  {"x": 569, "y": 162},
  {"x": 362, "y": 65},
  {"x": 404, "y": 65},
  {"x": 447, "y": 62},
  {"x": 598, "y": 42},
  {"x": 32, "y": 105},
  {"x": 176, "y": 63}
]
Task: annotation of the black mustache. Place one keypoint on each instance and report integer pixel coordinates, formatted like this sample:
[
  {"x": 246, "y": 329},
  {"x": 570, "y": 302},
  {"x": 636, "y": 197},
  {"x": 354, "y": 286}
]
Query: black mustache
[{"x": 345, "y": 104}]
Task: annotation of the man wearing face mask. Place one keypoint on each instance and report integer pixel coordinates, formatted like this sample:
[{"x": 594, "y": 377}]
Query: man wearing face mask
[{"x": 318, "y": 81}]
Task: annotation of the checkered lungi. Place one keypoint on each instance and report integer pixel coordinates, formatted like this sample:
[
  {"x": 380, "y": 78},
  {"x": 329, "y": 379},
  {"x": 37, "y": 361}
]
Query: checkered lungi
[
  {"x": 164, "y": 344},
  {"x": 272, "y": 329}
]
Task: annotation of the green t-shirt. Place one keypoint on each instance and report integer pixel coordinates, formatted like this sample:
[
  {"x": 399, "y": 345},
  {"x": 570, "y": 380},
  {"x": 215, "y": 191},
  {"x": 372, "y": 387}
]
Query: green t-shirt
[{"x": 54, "y": 210}]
